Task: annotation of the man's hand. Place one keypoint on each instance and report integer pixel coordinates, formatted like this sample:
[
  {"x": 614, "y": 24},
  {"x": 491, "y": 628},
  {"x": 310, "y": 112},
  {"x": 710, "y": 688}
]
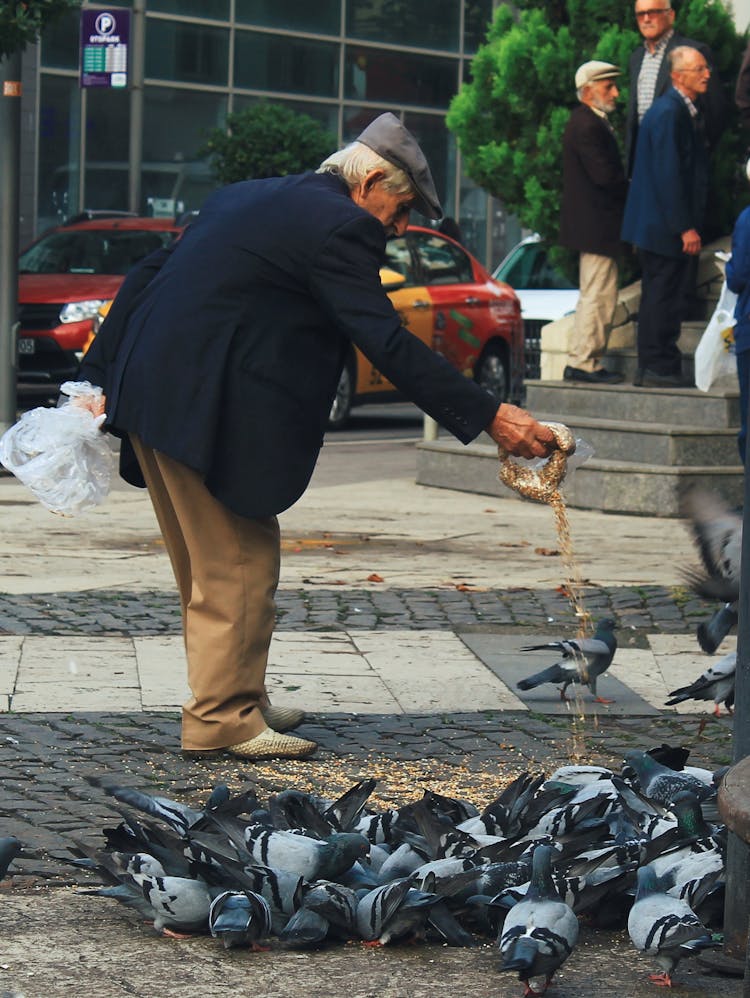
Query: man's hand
[
  {"x": 95, "y": 404},
  {"x": 519, "y": 433},
  {"x": 691, "y": 242}
]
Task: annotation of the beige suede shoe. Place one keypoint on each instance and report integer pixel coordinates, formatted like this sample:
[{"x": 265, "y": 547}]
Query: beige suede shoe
[
  {"x": 272, "y": 745},
  {"x": 282, "y": 718}
]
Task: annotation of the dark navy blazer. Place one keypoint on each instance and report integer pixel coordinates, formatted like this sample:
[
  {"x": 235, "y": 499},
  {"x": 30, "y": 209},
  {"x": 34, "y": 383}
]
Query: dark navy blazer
[
  {"x": 667, "y": 194},
  {"x": 712, "y": 104},
  {"x": 225, "y": 353}
]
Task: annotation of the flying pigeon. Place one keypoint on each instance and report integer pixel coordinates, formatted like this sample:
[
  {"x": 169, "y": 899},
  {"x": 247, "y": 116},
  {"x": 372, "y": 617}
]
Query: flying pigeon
[
  {"x": 583, "y": 660},
  {"x": 664, "y": 927},
  {"x": 539, "y": 933},
  {"x": 717, "y": 532},
  {"x": 715, "y": 683}
]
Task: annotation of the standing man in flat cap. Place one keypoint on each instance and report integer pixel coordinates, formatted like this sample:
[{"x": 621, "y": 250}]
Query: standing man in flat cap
[
  {"x": 664, "y": 214},
  {"x": 220, "y": 361},
  {"x": 593, "y": 199}
]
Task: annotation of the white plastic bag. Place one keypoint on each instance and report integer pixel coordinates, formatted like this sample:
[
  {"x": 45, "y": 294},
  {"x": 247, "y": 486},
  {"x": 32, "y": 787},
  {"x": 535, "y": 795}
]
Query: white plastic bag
[
  {"x": 61, "y": 454},
  {"x": 714, "y": 355}
]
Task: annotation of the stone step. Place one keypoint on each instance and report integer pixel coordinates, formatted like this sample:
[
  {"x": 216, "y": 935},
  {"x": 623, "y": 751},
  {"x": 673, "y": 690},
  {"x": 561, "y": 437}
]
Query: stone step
[
  {"x": 678, "y": 407},
  {"x": 654, "y": 443},
  {"x": 609, "y": 486}
]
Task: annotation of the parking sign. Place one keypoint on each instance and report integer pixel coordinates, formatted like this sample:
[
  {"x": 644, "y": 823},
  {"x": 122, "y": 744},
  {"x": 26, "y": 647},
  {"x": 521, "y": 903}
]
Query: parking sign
[{"x": 104, "y": 48}]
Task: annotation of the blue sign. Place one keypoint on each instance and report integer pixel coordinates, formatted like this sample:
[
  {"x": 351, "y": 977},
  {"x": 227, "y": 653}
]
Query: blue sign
[{"x": 104, "y": 48}]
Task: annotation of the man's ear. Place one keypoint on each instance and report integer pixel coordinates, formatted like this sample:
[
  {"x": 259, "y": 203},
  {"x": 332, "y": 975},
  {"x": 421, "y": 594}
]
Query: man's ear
[{"x": 371, "y": 178}]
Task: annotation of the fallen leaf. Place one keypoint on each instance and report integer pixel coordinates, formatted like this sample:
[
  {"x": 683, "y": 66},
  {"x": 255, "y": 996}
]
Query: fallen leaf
[
  {"x": 375, "y": 577},
  {"x": 547, "y": 552}
]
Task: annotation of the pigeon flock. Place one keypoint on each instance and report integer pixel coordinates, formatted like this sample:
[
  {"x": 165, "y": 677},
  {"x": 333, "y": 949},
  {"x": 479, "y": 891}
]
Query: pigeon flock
[{"x": 637, "y": 848}]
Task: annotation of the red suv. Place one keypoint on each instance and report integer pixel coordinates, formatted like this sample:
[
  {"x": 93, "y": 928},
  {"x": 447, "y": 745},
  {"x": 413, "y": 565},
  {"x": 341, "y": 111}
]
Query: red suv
[{"x": 64, "y": 277}]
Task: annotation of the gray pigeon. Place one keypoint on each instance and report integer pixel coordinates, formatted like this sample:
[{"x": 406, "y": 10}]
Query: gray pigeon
[
  {"x": 664, "y": 927},
  {"x": 711, "y": 632},
  {"x": 180, "y": 906},
  {"x": 10, "y": 847},
  {"x": 662, "y": 784},
  {"x": 539, "y": 933},
  {"x": 715, "y": 683},
  {"x": 717, "y": 532},
  {"x": 239, "y": 918},
  {"x": 583, "y": 660},
  {"x": 312, "y": 859}
]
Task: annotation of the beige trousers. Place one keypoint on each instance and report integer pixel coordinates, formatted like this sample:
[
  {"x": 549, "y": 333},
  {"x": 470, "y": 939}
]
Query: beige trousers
[
  {"x": 597, "y": 276},
  {"x": 227, "y": 571}
]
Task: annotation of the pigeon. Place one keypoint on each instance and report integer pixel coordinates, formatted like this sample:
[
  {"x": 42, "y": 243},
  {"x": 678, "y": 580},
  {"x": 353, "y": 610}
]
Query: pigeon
[
  {"x": 312, "y": 859},
  {"x": 717, "y": 532},
  {"x": 711, "y": 632},
  {"x": 583, "y": 660},
  {"x": 540, "y": 932},
  {"x": 660, "y": 783},
  {"x": 239, "y": 918},
  {"x": 664, "y": 927},
  {"x": 180, "y": 906},
  {"x": 715, "y": 683},
  {"x": 10, "y": 847}
]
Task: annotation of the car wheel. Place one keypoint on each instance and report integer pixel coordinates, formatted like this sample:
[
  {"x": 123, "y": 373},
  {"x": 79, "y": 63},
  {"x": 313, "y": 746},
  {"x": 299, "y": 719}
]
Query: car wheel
[
  {"x": 492, "y": 374},
  {"x": 341, "y": 408}
]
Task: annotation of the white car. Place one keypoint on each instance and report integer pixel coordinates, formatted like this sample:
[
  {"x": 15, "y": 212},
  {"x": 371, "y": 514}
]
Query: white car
[{"x": 544, "y": 291}]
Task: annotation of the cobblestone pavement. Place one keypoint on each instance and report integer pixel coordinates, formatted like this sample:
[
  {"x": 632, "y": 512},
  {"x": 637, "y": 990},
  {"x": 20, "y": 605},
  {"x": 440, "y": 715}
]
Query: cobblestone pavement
[{"x": 112, "y": 611}]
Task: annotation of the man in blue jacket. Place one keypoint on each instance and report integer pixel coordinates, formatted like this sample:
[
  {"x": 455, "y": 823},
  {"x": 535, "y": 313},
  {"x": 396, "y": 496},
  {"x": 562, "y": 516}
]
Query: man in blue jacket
[
  {"x": 664, "y": 212},
  {"x": 220, "y": 361}
]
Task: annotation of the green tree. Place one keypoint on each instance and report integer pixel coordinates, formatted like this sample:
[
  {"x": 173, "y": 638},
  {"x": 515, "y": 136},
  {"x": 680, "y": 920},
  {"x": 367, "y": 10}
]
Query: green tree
[
  {"x": 266, "y": 140},
  {"x": 22, "y": 22},
  {"x": 509, "y": 118}
]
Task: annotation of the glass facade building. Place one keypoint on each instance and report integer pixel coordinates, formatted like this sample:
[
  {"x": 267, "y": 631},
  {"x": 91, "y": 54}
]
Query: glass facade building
[{"x": 341, "y": 61}]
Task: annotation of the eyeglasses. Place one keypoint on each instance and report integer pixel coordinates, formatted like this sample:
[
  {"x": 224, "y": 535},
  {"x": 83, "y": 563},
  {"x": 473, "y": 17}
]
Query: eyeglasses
[{"x": 641, "y": 15}]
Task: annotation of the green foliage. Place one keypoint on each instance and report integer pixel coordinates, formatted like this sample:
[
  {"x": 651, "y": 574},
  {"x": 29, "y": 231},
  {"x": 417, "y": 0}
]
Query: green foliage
[
  {"x": 266, "y": 140},
  {"x": 21, "y": 21},
  {"x": 510, "y": 117}
]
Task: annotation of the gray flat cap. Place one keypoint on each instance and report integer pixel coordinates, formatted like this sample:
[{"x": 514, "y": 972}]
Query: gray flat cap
[{"x": 388, "y": 138}]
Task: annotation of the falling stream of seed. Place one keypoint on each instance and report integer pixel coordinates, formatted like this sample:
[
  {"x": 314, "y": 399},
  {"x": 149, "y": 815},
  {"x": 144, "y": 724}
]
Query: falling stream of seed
[{"x": 574, "y": 590}]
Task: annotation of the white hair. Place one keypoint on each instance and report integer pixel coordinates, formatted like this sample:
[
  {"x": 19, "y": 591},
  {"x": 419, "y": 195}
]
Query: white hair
[
  {"x": 680, "y": 55},
  {"x": 355, "y": 161}
]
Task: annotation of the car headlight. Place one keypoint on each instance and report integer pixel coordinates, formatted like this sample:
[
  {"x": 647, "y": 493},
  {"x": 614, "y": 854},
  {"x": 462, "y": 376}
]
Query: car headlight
[{"x": 77, "y": 311}]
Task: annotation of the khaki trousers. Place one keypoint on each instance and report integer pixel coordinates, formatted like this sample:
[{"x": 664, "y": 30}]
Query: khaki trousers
[
  {"x": 597, "y": 276},
  {"x": 227, "y": 571}
]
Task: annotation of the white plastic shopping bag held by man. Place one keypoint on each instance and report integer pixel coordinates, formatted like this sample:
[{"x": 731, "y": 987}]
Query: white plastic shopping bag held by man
[{"x": 61, "y": 454}]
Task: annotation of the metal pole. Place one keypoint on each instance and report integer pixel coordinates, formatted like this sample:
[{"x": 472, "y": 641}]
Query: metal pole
[
  {"x": 10, "y": 154},
  {"x": 430, "y": 428},
  {"x": 738, "y": 852},
  {"x": 137, "y": 71}
]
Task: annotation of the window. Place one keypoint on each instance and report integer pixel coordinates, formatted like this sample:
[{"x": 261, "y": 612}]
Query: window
[
  {"x": 442, "y": 262},
  {"x": 398, "y": 257},
  {"x": 217, "y": 10},
  {"x": 430, "y": 24},
  {"x": 322, "y": 17},
  {"x": 187, "y": 53},
  {"x": 278, "y": 62},
  {"x": 399, "y": 78}
]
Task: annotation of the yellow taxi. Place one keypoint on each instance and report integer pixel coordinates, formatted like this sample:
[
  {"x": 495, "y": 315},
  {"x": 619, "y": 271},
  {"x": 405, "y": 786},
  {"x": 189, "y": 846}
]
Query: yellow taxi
[{"x": 446, "y": 298}]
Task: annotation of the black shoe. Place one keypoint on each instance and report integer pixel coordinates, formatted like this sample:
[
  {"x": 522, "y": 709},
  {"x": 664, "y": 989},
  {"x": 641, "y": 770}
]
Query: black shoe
[
  {"x": 652, "y": 379},
  {"x": 600, "y": 377}
]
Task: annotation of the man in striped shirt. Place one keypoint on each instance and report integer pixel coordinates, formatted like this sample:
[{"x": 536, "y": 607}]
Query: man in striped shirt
[{"x": 649, "y": 74}]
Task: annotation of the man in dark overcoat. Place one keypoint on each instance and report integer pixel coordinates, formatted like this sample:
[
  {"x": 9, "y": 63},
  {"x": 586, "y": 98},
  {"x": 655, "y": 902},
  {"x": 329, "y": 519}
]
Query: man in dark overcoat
[
  {"x": 219, "y": 363},
  {"x": 593, "y": 198},
  {"x": 663, "y": 215}
]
